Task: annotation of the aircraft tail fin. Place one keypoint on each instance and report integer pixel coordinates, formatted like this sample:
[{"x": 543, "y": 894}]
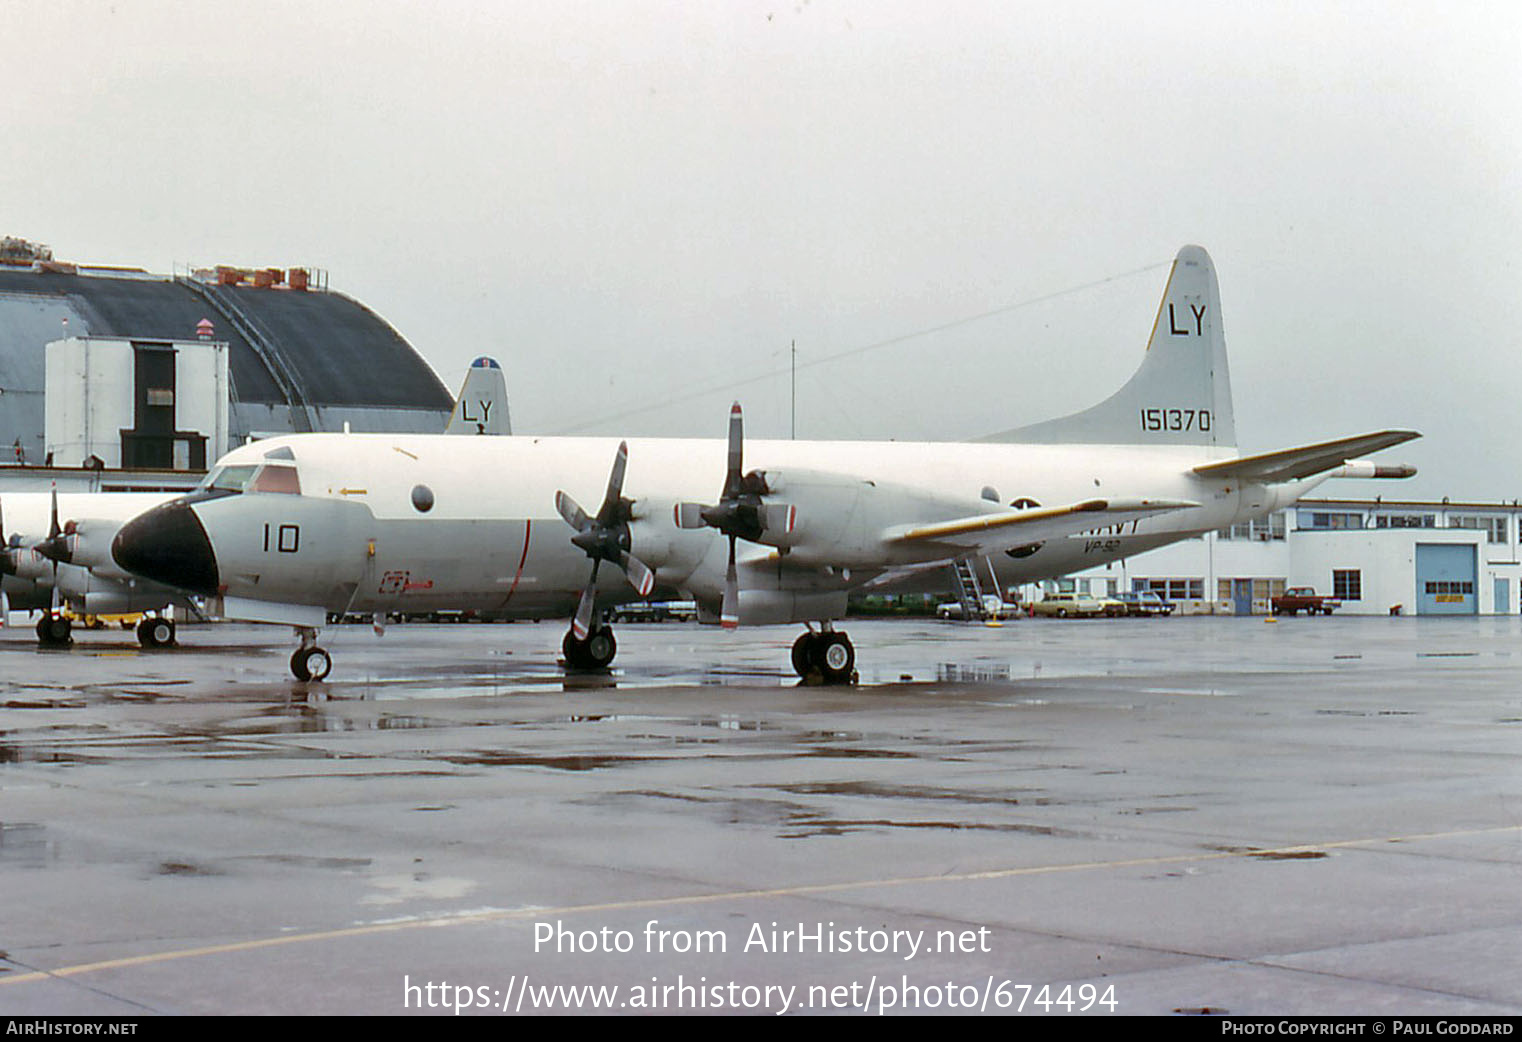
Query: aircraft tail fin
[
  {"x": 481, "y": 407},
  {"x": 1181, "y": 395}
]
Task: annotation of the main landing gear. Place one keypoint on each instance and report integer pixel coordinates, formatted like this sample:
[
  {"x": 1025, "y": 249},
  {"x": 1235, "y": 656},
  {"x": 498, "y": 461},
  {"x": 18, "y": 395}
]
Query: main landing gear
[
  {"x": 826, "y": 657},
  {"x": 594, "y": 653},
  {"x": 53, "y": 630},
  {"x": 309, "y": 662},
  {"x": 155, "y": 631}
]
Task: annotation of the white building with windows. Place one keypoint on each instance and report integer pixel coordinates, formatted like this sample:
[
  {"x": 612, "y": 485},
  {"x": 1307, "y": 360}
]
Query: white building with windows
[{"x": 1376, "y": 556}]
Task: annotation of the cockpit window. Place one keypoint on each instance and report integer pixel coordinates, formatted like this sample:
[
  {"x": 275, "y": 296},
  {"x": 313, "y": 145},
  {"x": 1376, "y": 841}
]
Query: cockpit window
[
  {"x": 253, "y": 477},
  {"x": 273, "y": 477},
  {"x": 229, "y": 479}
]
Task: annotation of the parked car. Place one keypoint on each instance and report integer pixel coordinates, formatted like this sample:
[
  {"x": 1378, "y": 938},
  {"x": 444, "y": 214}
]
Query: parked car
[
  {"x": 1304, "y": 598},
  {"x": 993, "y": 608},
  {"x": 1144, "y": 602},
  {"x": 655, "y": 611},
  {"x": 1068, "y": 605}
]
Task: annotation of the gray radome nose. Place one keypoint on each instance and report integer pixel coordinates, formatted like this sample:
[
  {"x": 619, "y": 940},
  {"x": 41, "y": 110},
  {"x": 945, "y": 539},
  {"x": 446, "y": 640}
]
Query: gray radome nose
[{"x": 168, "y": 545}]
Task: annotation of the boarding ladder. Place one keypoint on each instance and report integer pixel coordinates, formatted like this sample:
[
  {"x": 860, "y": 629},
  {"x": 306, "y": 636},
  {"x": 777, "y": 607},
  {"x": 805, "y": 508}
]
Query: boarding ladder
[{"x": 968, "y": 591}]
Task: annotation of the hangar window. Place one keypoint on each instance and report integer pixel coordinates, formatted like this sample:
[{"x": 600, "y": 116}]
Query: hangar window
[
  {"x": 1347, "y": 584},
  {"x": 1261, "y": 529},
  {"x": 1493, "y": 527},
  {"x": 1262, "y": 589},
  {"x": 1173, "y": 589},
  {"x": 1329, "y": 520},
  {"x": 1405, "y": 521}
]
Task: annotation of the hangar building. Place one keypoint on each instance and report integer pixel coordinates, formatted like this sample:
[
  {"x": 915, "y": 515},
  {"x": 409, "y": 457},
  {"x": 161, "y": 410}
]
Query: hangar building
[
  {"x": 1376, "y": 556},
  {"x": 124, "y": 366}
]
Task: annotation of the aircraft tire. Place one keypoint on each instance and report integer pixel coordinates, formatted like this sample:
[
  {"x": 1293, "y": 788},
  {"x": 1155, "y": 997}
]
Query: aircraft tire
[
  {"x": 836, "y": 658},
  {"x": 311, "y": 663},
  {"x": 155, "y": 632},
  {"x": 803, "y": 651},
  {"x": 53, "y": 631},
  {"x": 594, "y": 653}
]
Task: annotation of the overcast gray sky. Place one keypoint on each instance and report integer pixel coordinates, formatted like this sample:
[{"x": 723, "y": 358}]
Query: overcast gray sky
[{"x": 631, "y": 204}]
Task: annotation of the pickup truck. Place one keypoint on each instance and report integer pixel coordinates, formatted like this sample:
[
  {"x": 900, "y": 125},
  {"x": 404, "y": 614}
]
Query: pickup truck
[{"x": 1304, "y": 598}]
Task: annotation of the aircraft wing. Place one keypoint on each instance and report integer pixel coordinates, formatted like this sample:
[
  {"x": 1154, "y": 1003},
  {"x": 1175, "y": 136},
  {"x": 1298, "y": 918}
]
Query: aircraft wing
[
  {"x": 1302, "y": 462},
  {"x": 992, "y": 532}
]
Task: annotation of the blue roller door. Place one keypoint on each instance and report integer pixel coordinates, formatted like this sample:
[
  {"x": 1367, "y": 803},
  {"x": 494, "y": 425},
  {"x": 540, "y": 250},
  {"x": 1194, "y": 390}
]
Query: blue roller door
[{"x": 1445, "y": 579}]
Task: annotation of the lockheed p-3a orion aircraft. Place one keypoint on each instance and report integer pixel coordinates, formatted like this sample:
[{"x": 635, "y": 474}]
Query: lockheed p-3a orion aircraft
[{"x": 291, "y": 529}]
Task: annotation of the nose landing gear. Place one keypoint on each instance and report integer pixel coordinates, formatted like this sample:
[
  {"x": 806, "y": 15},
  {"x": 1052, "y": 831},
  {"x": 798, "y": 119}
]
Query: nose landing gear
[{"x": 309, "y": 662}]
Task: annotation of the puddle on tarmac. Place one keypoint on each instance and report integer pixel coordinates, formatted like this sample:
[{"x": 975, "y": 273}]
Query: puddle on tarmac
[
  {"x": 40, "y": 752},
  {"x": 288, "y": 720},
  {"x": 809, "y": 826},
  {"x": 848, "y": 752},
  {"x": 24, "y": 843},
  {"x": 344, "y": 864},
  {"x": 570, "y": 762},
  {"x": 45, "y": 702},
  {"x": 185, "y": 868},
  {"x": 876, "y": 791},
  {"x": 977, "y": 673}
]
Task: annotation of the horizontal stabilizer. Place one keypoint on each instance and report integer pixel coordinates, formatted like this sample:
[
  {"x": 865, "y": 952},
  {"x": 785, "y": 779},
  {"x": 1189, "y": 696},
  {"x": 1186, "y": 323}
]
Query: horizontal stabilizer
[
  {"x": 1001, "y": 530},
  {"x": 1305, "y": 461}
]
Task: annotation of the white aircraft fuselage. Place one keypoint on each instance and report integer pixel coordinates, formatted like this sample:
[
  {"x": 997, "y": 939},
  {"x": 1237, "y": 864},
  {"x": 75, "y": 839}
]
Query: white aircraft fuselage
[{"x": 354, "y": 540}]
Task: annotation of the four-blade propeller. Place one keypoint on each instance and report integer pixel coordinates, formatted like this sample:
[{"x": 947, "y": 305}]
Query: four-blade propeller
[
  {"x": 605, "y": 538},
  {"x": 56, "y": 547},
  {"x": 740, "y": 513}
]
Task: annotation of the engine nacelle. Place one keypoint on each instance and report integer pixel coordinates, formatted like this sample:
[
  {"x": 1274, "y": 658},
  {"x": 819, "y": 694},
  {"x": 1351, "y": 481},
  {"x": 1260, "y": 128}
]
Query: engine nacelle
[
  {"x": 119, "y": 602},
  {"x": 90, "y": 542},
  {"x": 780, "y": 607}
]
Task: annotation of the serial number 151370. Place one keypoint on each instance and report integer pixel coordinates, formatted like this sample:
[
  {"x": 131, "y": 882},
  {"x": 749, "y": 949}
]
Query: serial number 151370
[{"x": 1175, "y": 419}]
